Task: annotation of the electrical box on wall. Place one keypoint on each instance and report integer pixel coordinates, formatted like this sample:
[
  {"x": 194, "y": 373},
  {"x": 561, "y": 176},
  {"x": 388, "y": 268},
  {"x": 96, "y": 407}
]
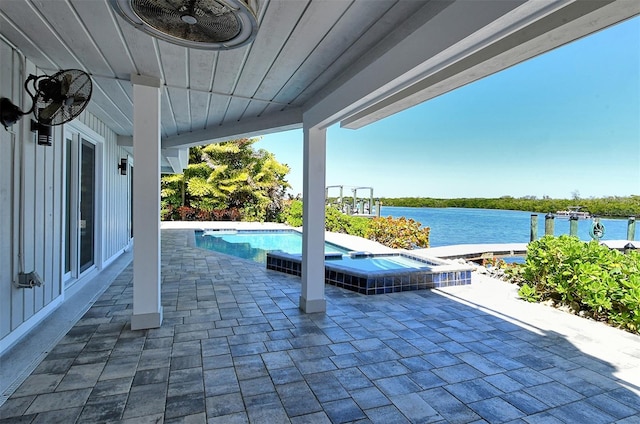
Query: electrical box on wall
[{"x": 29, "y": 280}]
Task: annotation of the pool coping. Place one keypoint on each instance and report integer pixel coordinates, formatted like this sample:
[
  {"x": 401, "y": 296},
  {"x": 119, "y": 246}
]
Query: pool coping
[
  {"x": 347, "y": 241},
  {"x": 289, "y": 230}
]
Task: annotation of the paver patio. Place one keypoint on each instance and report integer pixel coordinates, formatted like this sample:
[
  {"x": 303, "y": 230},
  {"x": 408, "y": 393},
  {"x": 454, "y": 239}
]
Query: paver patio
[{"x": 235, "y": 348}]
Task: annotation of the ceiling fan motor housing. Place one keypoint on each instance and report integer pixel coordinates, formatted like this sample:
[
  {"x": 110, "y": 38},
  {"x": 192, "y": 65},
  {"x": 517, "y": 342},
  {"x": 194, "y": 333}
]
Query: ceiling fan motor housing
[
  {"x": 51, "y": 89},
  {"x": 200, "y": 24}
]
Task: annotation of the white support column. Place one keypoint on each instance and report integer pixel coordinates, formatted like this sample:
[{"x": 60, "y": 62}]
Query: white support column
[
  {"x": 147, "y": 308},
  {"x": 312, "y": 294}
]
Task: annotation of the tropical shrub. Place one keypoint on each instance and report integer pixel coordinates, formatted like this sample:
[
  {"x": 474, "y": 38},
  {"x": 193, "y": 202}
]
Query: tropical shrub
[
  {"x": 293, "y": 213},
  {"x": 589, "y": 278},
  {"x": 187, "y": 214},
  {"x": 398, "y": 233},
  {"x": 339, "y": 222}
]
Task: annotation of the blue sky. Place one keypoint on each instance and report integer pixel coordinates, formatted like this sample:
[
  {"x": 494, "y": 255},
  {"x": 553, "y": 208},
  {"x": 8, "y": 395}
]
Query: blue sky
[{"x": 567, "y": 120}]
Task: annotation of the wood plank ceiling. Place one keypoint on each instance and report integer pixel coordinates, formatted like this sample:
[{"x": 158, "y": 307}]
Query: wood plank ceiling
[{"x": 301, "y": 46}]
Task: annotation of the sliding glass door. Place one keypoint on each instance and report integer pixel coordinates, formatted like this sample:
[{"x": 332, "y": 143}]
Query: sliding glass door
[
  {"x": 80, "y": 206},
  {"x": 70, "y": 211},
  {"x": 87, "y": 205}
]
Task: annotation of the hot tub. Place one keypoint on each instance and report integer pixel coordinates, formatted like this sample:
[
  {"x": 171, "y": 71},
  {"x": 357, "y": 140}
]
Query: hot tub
[{"x": 380, "y": 273}]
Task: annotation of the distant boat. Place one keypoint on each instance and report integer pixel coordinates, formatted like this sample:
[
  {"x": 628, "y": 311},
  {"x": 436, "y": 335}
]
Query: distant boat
[{"x": 573, "y": 211}]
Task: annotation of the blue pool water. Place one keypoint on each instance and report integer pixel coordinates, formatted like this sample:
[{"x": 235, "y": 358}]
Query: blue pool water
[
  {"x": 254, "y": 245},
  {"x": 380, "y": 263}
]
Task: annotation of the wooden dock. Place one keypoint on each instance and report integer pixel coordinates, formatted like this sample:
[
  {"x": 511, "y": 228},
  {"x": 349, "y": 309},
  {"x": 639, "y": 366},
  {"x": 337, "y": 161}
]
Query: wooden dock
[{"x": 477, "y": 252}]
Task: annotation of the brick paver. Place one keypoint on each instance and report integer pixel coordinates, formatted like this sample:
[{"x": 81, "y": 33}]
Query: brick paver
[{"x": 235, "y": 348}]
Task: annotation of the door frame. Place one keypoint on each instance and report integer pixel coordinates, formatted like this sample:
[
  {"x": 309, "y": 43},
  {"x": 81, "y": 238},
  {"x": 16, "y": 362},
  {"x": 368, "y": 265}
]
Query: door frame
[
  {"x": 77, "y": 132},
  {"x": 130, "y": 166}
]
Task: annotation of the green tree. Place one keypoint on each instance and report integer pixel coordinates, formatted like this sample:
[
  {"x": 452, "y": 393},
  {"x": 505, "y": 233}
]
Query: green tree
[{"x": 229, "y": 179}]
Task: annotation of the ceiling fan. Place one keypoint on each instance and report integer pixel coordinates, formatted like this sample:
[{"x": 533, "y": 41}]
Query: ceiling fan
[
  {"x": 56, "y": 99},
  {"x": 200, "y": 24}
]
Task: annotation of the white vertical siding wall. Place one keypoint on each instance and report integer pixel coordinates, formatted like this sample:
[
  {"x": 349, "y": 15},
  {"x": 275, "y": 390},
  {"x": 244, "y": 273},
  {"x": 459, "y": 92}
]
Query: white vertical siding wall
[
  {"x": 30, "y": 217},
  {"x": 9, "y": 87},
  {"x": 37, "y": 208}
]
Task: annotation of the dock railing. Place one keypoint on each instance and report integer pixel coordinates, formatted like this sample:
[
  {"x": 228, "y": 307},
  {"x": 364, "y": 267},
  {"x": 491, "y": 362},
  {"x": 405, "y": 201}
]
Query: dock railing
[{"x": 596, "y": 230}]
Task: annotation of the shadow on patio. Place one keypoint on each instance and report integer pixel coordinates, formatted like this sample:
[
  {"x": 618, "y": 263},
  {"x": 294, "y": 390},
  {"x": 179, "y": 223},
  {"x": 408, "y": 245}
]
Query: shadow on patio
[{"x": 235, "y": 348}]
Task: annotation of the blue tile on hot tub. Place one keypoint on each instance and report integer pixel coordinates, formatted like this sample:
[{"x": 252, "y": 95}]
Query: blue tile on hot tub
[{"x": 371, "y": 283}]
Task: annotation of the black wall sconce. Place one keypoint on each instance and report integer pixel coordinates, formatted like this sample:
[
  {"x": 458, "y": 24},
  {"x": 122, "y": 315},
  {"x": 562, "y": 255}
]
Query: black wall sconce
[
  {"x": 9, "y": 113},
  {"x": 44, "y": 137},
  {"x": 123, "y": 166}
]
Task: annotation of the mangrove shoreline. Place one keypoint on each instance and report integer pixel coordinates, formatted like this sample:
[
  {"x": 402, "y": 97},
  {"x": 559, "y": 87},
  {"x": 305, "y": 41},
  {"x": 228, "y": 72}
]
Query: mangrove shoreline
[{"x": 612, "y": 206}]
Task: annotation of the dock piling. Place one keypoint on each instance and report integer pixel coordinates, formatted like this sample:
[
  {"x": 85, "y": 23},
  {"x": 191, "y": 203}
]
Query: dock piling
[
  {"x": 631, "y": 228},
  {"x": 534, "y": 227},
  {"x": 573, "y": 225},
  {"x": 549, "y": 224}
]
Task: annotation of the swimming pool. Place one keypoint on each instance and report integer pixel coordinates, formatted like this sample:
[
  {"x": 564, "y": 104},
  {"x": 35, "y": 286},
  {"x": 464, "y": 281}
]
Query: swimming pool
[
  {"x": 254, "y": 244},
  {"x": 362, "y": 272}
]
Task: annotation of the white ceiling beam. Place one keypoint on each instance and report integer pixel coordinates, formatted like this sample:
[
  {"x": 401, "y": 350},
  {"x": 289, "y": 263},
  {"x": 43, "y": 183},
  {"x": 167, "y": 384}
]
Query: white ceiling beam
[
  {"x": 402, "y": 65},
  {"x": 177, "y": 158},
  {"x": 275, "y": 122},
  {"x": 570, "y": 23},
  {"x": 125, "y": 140}
]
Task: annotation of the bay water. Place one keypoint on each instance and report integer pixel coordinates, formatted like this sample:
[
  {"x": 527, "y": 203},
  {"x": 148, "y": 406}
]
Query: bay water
[{"x": 477, "y": 226}]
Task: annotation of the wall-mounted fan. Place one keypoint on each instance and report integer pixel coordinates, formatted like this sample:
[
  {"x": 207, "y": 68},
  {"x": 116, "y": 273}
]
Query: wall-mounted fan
[{"x": 56, "y": 99}]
